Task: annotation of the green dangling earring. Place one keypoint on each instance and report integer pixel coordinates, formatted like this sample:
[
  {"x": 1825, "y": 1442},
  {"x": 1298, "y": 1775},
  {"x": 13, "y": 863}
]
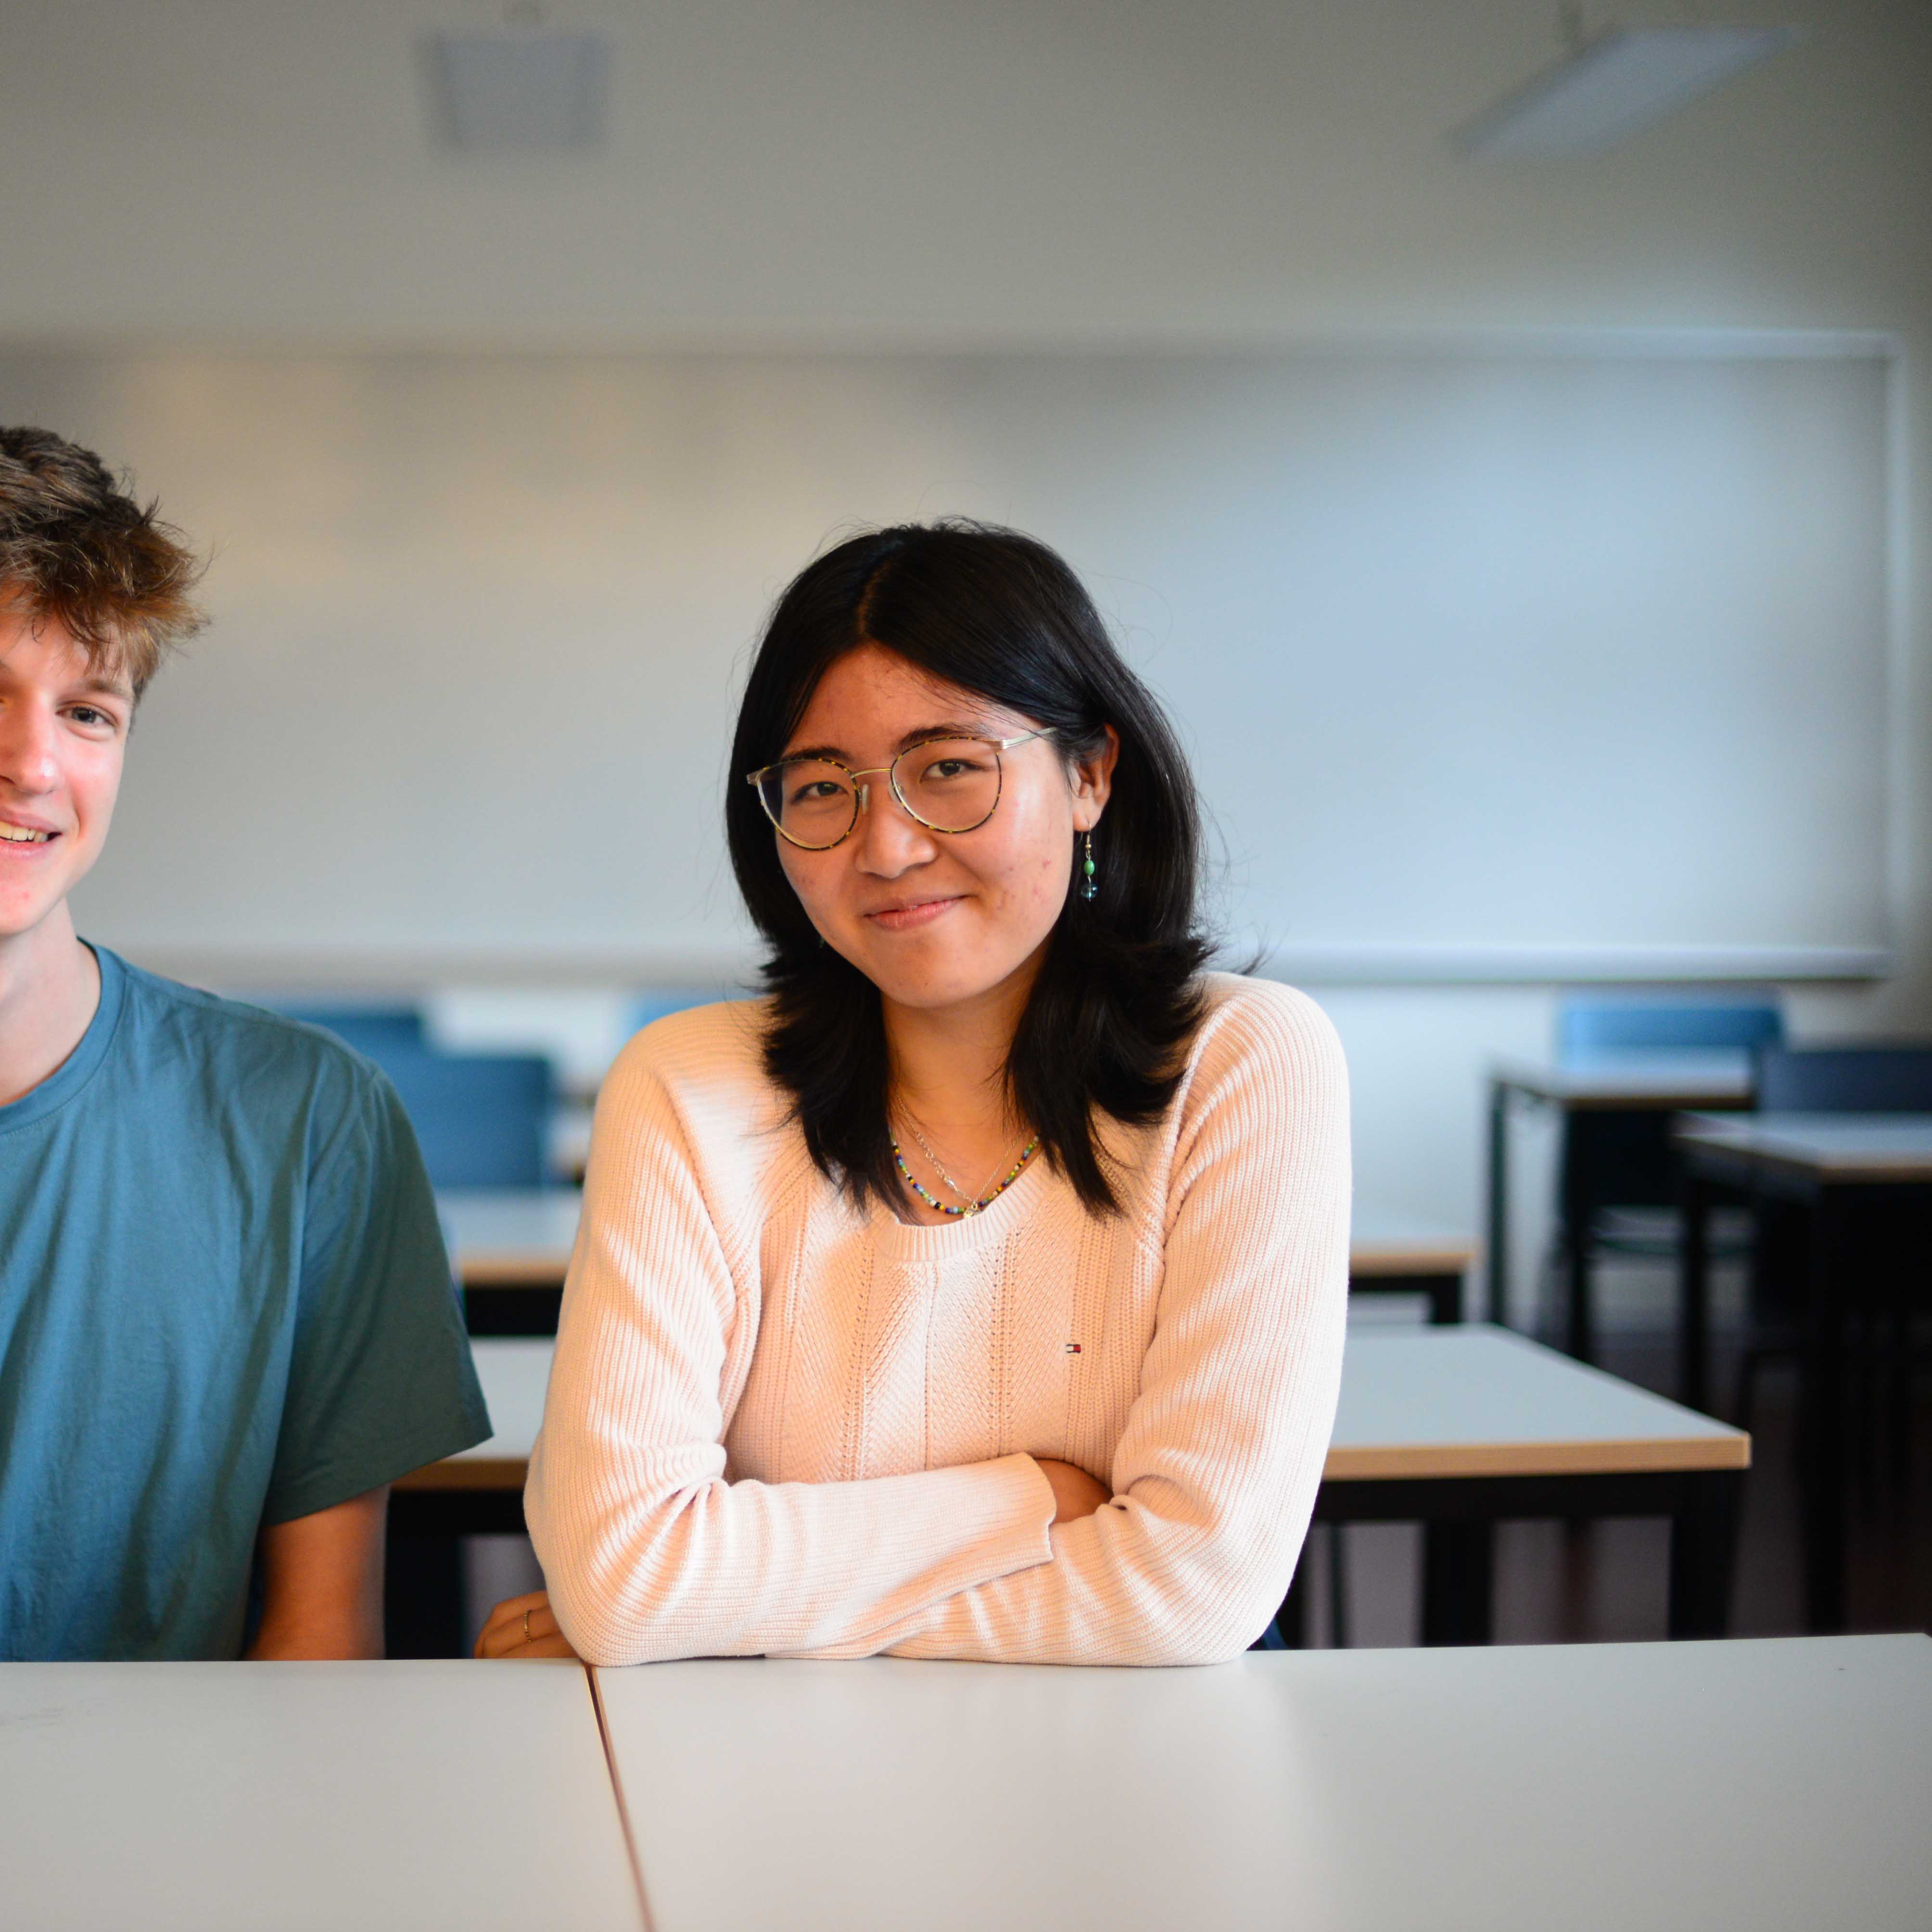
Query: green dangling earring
[{"x": 1088, "y": 889}]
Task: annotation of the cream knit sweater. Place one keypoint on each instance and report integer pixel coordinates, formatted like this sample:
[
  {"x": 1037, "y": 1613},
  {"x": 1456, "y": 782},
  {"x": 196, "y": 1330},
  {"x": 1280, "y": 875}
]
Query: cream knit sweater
[{"x": 779, "y": 1424}]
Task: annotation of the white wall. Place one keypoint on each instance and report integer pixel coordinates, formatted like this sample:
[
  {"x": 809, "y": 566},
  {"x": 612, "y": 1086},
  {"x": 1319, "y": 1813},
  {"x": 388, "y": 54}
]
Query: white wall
[
  {"x": 1484, "y": 659},
  {"x": 1005, "y": 173}
]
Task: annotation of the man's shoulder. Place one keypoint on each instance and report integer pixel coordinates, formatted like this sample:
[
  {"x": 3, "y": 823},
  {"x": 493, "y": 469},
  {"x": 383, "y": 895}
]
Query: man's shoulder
[{"x": 262, "y": 1056}]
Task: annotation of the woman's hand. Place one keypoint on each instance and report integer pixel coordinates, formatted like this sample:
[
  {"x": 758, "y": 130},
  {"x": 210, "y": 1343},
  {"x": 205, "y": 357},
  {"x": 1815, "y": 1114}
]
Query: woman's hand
[
  {"x": 523, "y": 1626},
  {"x": 1074, "y": 1492}
]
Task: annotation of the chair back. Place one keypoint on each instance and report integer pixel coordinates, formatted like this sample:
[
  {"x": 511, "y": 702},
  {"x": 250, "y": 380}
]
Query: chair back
[
  {"x": 482, "y": 1119},
  {"x": 1844, "y": 1079},
  {"x": 371, "y": 1030},
  {"x": 1585, "y": 1026}
]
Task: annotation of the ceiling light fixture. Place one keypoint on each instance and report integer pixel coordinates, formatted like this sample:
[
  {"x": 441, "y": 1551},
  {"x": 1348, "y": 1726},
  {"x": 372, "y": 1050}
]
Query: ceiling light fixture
[
  {"x": 1612, "y": 84},
  {"x": 520, "y": 89}
]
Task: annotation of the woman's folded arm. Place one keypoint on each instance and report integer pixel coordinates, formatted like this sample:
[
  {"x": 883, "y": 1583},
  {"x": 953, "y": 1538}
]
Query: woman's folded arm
[{"x": 1215, "y": 1475}]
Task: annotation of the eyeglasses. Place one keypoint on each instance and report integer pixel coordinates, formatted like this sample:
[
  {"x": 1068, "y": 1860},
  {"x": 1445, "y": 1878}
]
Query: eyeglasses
[{"x": 948, "y": 784}]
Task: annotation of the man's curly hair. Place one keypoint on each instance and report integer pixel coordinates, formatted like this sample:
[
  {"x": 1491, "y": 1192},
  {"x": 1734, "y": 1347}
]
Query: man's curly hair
[{"x": 77, "y": 550}]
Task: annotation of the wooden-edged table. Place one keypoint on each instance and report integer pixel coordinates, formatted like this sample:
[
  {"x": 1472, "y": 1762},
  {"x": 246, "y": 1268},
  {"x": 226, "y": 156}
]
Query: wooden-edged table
[
  {"x": 479, "y": 1491},
  {"x": 1458, "y": 1428},
  {"x": 510, "y": 1249},
  {"x": 1840, "y": 1169},
  {"x": 1399, "y": 1254},
  {"x": 1604, "y": 1099}
]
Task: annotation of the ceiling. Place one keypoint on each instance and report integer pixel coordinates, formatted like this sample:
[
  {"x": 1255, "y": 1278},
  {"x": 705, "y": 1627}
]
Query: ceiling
[{"x": 975, "y": 171}]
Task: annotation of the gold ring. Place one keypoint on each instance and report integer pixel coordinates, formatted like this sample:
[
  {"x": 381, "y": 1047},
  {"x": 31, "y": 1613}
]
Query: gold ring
[{"x": 526, "y": 1624}]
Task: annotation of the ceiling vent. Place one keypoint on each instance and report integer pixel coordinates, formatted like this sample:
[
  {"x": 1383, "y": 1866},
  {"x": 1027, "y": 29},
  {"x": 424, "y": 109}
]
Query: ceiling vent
[
  {"x": 493, "y": 92},
  {"x": 1609, "y": 87}
]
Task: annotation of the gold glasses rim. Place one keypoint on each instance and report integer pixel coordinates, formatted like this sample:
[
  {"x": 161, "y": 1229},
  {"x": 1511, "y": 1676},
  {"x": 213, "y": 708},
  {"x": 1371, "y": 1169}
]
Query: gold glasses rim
[{"x": 756, "y": 781}]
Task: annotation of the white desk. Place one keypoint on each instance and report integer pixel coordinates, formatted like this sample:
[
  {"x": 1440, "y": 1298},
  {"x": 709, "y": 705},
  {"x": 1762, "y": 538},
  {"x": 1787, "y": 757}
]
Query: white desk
[
  {"x": 514, "y": 1373},
  {"x": 1458, "y": 1426},
  {"x": 1835, "y": 1148},
  {"x": 1647, "y": 1082},
  {"x": 1585, "y": 1090},
  {"x": 213, "y": 1796},
  {"x": 1462, "y": 1428},
  {"x": 1478, "y": 1401},
  {"x": 1399, "y": 1254},
  {"x": 1840, "y": 1170},
  {"x": 1468, "y": 1401},
  {"x": 510, "y": 1237},
  {"x": 1768, "y": 1786}
]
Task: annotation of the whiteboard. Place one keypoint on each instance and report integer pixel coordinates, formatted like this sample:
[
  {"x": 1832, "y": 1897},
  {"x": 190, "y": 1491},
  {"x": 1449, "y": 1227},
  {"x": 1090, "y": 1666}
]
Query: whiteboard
[{"x": 1496, "y": 659}]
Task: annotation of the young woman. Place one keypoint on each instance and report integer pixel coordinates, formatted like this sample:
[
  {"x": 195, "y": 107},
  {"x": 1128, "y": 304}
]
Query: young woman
[{"x": 980, "y": 1292}]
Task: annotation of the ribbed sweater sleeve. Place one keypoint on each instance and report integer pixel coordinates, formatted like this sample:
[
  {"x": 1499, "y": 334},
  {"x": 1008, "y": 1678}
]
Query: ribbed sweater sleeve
[
  {"x": 1215, "y": 1474},
  {"x": 648, "y": 1551}
]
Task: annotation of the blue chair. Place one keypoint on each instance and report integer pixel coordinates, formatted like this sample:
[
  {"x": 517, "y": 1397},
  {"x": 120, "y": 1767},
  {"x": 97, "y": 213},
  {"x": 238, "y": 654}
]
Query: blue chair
[
  {"x": 371, "y": 1030},
  {"x": 482, "y": 1119},
  {"x": 1589, "y": 1028},
  {"x": 1617, "y": 1180},
  {"x": 1844, "y": 1079}
]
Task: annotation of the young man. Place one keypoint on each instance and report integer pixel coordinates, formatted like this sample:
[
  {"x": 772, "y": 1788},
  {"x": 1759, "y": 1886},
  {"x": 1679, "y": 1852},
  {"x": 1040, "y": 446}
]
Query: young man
[{"x": 226, "y": 1322}]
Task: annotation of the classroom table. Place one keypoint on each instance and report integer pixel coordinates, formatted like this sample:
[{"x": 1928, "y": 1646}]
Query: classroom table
[
  {"x": 234, "y": 1797},
  {"x": 1608, "y": 1088},
  {"x": 1840, "y": 1168},
  {"x": 1773, "y": 1785},
  {"x": 511, "y": 1248},
  {"x": 479, "y": 1491},
  {"x": 1392, "y": 1253},
  {"x": 1460, "y": 1429}
]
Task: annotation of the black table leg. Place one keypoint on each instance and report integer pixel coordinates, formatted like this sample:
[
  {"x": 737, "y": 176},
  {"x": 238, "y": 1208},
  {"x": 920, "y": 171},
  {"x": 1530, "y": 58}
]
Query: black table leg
[
  {"x": 1338, "y": 1586},
  {"x": 1497, "y": 1259},
  {"x": 1703, "y": 1537},
  {"x": 1291, "y": 1619},
  {"x": 1445, "y": 1300},
  {"x": 422, "y": 1600},
  {"x": 1458, "y": 1570},
  {"x": 1581, "y": 1330},
  {"x": 1823, "y": 1407},
  {"x": 1693, "y": 1295}
]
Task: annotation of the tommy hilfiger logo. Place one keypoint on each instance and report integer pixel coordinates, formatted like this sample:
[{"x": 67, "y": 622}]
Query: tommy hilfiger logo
[{"x": 1073, "y": 1348}]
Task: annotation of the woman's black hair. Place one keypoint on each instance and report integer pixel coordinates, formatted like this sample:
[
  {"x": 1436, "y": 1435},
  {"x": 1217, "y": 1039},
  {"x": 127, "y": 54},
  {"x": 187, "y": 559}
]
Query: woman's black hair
[{"x": 1118, "y": 994}]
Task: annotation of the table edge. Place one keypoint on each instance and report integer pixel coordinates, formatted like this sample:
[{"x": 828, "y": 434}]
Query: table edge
[{"x": 1681, "y": 1455}]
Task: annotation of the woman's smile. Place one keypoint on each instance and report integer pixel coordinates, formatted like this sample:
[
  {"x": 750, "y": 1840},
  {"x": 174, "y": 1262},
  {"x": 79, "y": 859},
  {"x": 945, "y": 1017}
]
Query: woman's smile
[{"x": 907, "y": 915}]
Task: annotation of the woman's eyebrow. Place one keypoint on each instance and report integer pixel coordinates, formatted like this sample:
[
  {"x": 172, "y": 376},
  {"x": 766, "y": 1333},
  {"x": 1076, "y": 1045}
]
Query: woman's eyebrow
[
  {"x": 947, "y": 730},
  {"x": 839, "y": 755}
]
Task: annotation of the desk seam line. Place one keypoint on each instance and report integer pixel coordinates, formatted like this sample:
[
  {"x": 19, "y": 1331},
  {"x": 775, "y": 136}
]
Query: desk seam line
[{"x": 617, "y": 1794}]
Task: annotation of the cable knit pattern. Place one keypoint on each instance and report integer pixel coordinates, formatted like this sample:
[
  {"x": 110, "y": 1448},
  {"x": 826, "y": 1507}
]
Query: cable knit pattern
[{"x": 779, "y": 1424}]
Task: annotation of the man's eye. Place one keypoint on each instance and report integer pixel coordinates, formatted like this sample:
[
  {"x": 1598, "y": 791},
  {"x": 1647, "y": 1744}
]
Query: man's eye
[{"x": 91, "y": 715}]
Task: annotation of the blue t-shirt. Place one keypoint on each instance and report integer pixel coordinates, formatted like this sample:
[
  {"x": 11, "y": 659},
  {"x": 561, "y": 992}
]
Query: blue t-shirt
[{"x": 224, "y": 1302}]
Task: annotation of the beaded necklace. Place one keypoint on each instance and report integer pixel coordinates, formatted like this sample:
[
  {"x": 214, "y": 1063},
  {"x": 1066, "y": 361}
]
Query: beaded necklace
[
  {"x": 972, "y": 1206},
  {"x": 938, "y": 1166}
]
